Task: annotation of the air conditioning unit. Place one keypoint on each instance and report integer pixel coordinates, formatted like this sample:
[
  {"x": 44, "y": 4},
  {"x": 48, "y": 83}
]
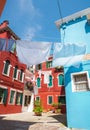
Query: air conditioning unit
[{"x": 88, "y": 18}]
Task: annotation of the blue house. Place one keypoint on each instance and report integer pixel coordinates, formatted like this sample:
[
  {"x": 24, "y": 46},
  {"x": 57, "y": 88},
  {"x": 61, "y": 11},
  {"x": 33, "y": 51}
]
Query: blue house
[{"x": 76, "y": 29}]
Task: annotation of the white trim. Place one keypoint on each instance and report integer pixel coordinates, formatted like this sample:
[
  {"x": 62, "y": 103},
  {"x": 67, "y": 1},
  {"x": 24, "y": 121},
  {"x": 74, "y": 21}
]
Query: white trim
[
  {"x": 72, "y": 17},
  {"x": 14, "y": 96},
  {"x": 77, "y": 73}
]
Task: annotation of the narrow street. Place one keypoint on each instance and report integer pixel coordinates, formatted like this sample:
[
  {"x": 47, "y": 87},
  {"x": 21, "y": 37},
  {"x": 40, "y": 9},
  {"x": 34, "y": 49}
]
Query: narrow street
[{"x": 28, "y": 121}]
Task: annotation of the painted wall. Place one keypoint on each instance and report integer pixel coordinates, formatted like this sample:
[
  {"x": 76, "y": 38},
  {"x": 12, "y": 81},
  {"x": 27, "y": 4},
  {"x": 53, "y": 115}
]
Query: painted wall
[
  {"x": 44, "y": 91},
  {"x": 78, "y": 103},
  {"x": 76, "y": 31}
]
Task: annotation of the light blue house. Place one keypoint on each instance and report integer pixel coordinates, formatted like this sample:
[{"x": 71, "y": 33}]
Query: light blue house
[{"x": 76, "y": 29}]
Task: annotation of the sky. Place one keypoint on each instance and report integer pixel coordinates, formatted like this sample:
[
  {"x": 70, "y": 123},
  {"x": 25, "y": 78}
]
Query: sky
[{"x": 34, "y": 20}]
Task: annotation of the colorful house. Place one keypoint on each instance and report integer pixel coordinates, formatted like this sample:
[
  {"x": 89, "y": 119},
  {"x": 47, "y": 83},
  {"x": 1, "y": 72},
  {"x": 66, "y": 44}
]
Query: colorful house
[
  {"x": 50, "y": 85},
  {"x": 11, "y": 75},
  {"x": 76, "y": 29}
]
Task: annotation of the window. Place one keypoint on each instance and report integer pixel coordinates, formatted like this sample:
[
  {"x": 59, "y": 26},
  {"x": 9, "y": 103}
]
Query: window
[
  {"x": 80, "y": 82},
  {"x": 62, "y": 99},
  {"x": 48, "y": 64},
  {"x": 15, "y": 72},
  {"x": 21, "y": 75},
  {"x": 38, "y": 82},
  {"x": 27, "y": 100},
  {"x": 12, "y": 97},
  {"x": 60, "y": 80},
  {"x": 3, "y": 95},
  {"x": 19, "y": 98},
  {"x": 38, "y": 98},
  {"x": 50, "y": 100},
  {"x": 39, "y": 67},
  {"x": 50, "y": 81},
  {"x": 6, "y": 67}
]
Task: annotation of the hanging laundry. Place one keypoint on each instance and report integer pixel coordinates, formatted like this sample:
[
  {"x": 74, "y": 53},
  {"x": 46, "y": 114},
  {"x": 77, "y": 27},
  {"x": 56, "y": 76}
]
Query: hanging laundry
[
  {"x": 32, "y": 53},
  {"x": 67, "y": 54}
]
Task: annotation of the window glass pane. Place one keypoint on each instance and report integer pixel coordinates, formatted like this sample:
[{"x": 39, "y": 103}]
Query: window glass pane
[
  {"x": 3, "y": 95},
  {"x": 48, "y": 64},
  {"x": 12, "y": 96},
  {"x": 19, "y": 98},
  {"x": 21, "y": 75},
  {"x": 15, "y": 72},
  {"x": 50, "y": 100},
  {"x": 80, "y": 82},
  {"x": 38, "y": 98},
  {"x": 61, "y": 99},
  {"x": 6, "y": 67}
]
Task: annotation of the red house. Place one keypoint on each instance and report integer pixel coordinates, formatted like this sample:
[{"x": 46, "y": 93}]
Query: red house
[
  {"x": 50, "y": 83},
  {"x": 11, "y": 75}
]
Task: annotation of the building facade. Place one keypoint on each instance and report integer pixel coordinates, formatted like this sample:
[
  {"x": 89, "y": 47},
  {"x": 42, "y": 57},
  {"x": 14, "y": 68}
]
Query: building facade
[
  {"x": 76, "y": 29},
  {"x": 50, "y": 84},
  {"x": 11, "y": 74}
]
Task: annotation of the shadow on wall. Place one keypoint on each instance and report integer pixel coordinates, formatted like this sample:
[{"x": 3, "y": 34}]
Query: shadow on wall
[
  {"x": 87, "y": 27},
  {"x": 72, "y": 69}
]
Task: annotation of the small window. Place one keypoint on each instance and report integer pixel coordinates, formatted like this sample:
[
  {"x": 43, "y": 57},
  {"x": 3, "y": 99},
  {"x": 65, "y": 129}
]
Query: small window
[
  {"x": 50, "y": 81},
  {"x": 12, "y": 97},
  {"x": 38, "y": 98},
  {"x": 62, "y": 99},
  {"x": 15, "y": 72},
  {"x": 50, "y": 100},
  {"x": 80, "y": 82},
  {"x": 60, "y": 80},
  {"x": 6, "y": 67},
  {"x": 39, "y": 67},
  {"x": 48, "y": 64},
  {"x": 3, "y": 95},
  {"x": 27, "y": 100},
  {"x": 19, "y": 98},
  {"x": 38, "y": 82}
]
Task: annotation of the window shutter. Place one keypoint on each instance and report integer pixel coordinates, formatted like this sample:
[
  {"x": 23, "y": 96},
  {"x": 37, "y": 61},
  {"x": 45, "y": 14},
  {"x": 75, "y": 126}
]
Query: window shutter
[
  {"x": 61, "y": 80},
  {"x": 21, "y": 98},
  {"x": 5, "y": 96}
]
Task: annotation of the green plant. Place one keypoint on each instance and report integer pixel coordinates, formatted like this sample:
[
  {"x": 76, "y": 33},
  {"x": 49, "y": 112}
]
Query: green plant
[{"x": 38, "y": 108}]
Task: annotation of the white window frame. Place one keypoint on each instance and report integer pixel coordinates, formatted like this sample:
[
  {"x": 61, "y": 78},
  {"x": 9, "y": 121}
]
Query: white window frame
[
  {"x": 73, "y": 84},
  {"x": 48, "y": 99},
  {"x": 8, "y": 72},
  {"x": 16, "y": 74},
  {"x": 58, "y": 79},
  {"x": 3, "y": 87},
  {"x": 14, "y": 96}
]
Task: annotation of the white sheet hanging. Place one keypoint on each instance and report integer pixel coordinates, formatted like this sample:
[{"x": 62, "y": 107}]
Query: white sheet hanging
[
  {"x": 68, "y": 54},
  {"x": 32, "y": 53}
]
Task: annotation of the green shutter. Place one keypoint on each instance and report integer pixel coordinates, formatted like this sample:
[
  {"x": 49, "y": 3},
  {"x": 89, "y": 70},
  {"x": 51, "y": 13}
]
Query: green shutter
[
  {"x": 50, "y": 99},
  {"x": 5, "y": 96},
  {"x": 21, "y": 98},
  {"x": 38, "y": 82},
  {"x": 61, "y": 80},
  {"x": 50, "y": 81}
]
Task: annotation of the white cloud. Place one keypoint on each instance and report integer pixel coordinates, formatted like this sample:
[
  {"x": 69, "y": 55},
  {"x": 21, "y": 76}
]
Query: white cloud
[
  {"x": 30, "y": 32},
  {"x": 27, "y": 6}
]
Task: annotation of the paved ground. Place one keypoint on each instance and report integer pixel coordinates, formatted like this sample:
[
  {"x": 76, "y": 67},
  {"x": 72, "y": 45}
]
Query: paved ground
[{"x": 28, "y": 121}]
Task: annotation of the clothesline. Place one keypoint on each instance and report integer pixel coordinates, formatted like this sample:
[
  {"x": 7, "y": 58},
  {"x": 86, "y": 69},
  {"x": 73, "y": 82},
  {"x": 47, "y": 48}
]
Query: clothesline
[{"x": 32, "y": 53}]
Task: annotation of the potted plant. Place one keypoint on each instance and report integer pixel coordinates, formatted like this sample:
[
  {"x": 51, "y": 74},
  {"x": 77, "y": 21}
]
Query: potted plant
[
  {"x": 38, "y": 108},
  {"x": 56, "y": 107}
]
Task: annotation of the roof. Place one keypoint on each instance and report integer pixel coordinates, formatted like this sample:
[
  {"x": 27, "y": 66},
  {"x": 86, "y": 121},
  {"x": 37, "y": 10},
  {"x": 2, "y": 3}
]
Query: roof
[
  {"x": 72, "y": 17},
  {"x": 7, "y": 29}
]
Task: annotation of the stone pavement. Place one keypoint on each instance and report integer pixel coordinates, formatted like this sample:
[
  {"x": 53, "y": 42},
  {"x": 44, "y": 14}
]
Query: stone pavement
[{"x": 28, "y": 121}]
